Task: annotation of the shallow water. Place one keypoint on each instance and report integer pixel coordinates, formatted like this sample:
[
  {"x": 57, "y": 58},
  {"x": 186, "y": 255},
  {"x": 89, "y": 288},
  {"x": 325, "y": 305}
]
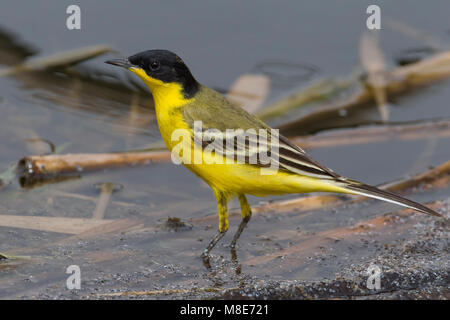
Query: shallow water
[{"x": 219, "y": 42}]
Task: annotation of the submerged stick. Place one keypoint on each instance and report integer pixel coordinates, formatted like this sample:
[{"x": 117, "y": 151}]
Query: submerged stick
[
  {"x": 59, "y": 60},
  {"x": 54, "y": 164},
  {"x": 364, "y": 135},
  {"x": 399, "y": 80},
  {"x": 88, "y": 198},
  {"x": 372, "y": 59},
  {"x": 416, "y": 34},
  {"x": 68, "y": 163},
  {"x": 317, "y": 91},
  {"x": 106, "y": 190},
  {"x": 436, "y": 177},
  {"x": 52, "y": 224}
]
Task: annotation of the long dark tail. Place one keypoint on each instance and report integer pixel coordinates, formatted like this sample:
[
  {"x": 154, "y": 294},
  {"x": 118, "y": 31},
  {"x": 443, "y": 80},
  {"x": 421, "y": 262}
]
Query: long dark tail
[{"x": 373, "y": 192}]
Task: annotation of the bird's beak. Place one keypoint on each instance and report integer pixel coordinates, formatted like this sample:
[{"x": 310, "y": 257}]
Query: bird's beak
[{"x": 124, "y": 63}]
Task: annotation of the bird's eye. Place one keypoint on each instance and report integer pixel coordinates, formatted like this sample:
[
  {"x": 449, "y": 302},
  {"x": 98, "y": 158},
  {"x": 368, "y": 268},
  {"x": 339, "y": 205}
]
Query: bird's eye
[{"x": 154, "y": 65}]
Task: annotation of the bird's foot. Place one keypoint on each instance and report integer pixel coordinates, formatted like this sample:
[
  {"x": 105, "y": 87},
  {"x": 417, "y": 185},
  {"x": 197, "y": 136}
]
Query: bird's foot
[{"x": 206, "y": 259}]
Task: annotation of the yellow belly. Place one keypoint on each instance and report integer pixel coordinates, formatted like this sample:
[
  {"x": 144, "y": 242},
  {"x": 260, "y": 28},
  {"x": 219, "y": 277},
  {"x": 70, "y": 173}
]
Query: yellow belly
[
  {"x": 233, "y": 178},
  {"x": 247, "y": 179}
]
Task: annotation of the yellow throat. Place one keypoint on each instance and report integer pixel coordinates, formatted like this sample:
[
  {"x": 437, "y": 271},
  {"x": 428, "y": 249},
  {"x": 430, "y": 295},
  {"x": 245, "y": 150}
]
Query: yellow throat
[{"x": 168, "y": 97}]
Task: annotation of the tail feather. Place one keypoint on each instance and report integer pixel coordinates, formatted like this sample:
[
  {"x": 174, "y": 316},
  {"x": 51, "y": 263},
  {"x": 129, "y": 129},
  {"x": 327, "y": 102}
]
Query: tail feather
[{"x": 373, "y": 192}]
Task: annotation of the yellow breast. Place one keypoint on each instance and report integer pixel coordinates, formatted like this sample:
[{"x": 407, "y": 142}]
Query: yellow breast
[{"x": 232, "y": 178}]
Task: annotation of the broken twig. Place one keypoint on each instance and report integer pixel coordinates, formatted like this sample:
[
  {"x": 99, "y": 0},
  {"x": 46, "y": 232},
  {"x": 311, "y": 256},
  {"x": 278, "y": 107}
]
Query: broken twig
[
  {"x": 55, "y": 164},
  {"x": 400, "y": 80},
  {"x": 59, "y": 60},
  {"x": 68, "y": 163}
]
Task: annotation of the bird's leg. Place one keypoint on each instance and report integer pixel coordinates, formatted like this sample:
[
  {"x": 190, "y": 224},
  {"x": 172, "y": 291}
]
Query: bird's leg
[
  {"x": 246, "y": 213},
  {"x": 222, "y": 203}
]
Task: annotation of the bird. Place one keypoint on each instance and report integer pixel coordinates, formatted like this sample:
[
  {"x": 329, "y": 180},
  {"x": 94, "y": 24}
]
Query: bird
[{"x": 195, "y": 121}]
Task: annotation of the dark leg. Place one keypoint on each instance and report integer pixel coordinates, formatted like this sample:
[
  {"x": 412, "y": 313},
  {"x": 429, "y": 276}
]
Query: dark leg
[
  {"x": 222, "y": 202},
  {"x": 246, "y": 212}
]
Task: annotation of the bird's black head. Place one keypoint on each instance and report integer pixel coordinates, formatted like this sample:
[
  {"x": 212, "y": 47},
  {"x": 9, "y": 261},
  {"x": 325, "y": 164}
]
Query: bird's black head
[{"x": 160, "y": 67}]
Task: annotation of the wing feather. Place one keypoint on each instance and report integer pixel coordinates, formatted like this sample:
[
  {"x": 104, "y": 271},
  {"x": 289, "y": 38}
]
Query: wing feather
[{"x": 246, "y": 140}]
